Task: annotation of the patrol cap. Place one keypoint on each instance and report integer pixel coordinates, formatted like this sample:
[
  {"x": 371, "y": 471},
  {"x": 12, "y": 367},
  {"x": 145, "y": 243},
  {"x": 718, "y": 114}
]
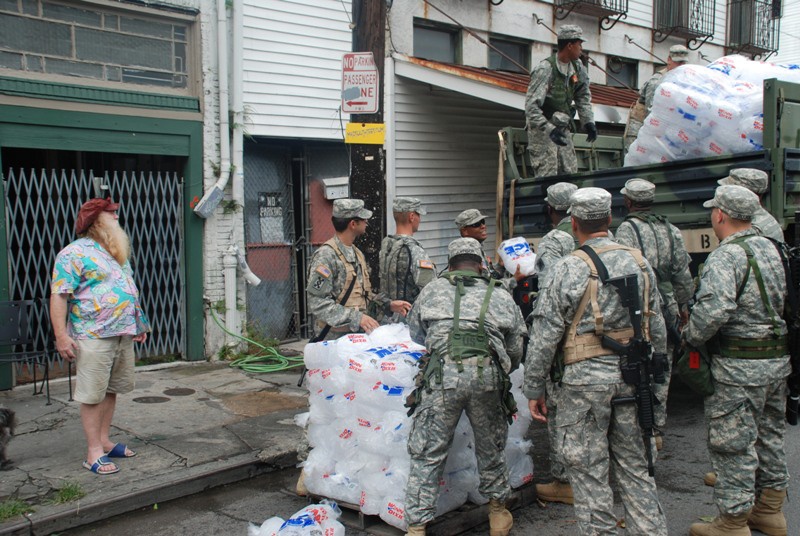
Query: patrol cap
[
  {"x": 679, "y": 53},
  {"x": 408, "y": 204},
  {"x": 464, "y": 246},
  {"x": 350, "y": 208},
  {"x": 558, "y": 195},
  {"x": 736, "y": 201},
  {"x": 639, "y": 190},
  {"x": 569, "y": 32},
  {"x": 590, "y": 204},
  {"x": 468, "y": 217},
  {"x": 754, "y": 180}
]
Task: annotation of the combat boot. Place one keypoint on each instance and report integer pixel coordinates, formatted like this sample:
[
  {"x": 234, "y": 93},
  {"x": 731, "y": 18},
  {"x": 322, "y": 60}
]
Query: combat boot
[
  {"x": 723, "y": 525},
  {"x": 767, "y": 515},
  {"x": 416, "y": 530},
  {"x": 500, "y": 519},
  {"x": 555, "y": 491},
  {"x": 300, "y": 488},
  {"x": 710, "y": 479}
]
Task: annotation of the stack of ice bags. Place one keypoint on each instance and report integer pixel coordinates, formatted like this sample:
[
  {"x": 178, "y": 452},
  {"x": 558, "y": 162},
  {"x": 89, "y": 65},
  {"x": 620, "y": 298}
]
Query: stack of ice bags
[
  {"x": 358, "y": 427},
  {"x": 702, "y": 111}
]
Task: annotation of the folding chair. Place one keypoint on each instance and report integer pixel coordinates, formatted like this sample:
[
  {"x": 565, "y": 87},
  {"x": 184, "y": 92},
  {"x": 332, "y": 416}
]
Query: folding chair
[{"x": 15, "y": 339}]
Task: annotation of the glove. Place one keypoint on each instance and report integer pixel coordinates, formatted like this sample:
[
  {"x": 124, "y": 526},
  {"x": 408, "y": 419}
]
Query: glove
[
  {"x": 558, "y": 137},
  {"x": 591, "y": 132}
]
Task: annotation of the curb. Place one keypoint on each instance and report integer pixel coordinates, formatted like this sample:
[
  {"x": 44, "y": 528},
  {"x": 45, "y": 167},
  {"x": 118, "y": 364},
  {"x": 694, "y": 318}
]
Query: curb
[{"x": 229, "y": 471}]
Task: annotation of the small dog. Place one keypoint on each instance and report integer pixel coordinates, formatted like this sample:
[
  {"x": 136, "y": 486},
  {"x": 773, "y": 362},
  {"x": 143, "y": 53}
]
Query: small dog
[{"x": 8, "y": 422}]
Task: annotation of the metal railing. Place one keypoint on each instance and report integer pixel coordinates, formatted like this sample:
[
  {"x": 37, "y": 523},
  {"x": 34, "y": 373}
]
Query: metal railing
[
  {"x": 609, "y": 11},
  {"x": 689, "y": 19},
  {"x": 754, "y": 27}
]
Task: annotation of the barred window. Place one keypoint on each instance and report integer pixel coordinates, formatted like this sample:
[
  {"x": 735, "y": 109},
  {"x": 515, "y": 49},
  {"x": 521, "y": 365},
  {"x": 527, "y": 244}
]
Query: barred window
[{"x": 94, "y": 42}]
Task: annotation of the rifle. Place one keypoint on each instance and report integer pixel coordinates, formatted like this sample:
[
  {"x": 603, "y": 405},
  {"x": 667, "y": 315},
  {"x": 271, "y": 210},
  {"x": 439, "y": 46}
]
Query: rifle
[
  {"x": 791, "y": 265},
  {"x": 636, "y": 364}
]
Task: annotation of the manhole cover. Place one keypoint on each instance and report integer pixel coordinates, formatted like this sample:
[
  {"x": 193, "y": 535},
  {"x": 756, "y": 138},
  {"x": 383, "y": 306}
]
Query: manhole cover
[
  {"x": 179, "y": 391},
  {"x": 151, "y": 399}
]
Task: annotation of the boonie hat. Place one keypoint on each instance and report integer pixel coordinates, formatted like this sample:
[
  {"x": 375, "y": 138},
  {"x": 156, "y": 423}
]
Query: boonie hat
[
  {"x": 350, "y": 208},
  {"x": 89, "y": 212},
  {"x": 468, "y": 217},
  {"x": 570, "y": 31},
  {"x": 679, "y": 53},
  {"x": 558, "y": 195},
  {"x": 408, "y": 204},
  {"x": 639, "y": 190},
  {"x": 754, "y": 180},
  {"x": 464, "y": 246},
  {"x": 590, "y": 204},
  {"x": 736, "y": 201}
]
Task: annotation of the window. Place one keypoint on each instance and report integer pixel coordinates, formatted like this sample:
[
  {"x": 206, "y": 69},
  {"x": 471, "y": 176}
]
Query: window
[
  {"x": 622, "y": 72},
  {"x": 519, "y": 51},
  {"x": 436, "y": 42},
  {"x": 97, "y": 42}
]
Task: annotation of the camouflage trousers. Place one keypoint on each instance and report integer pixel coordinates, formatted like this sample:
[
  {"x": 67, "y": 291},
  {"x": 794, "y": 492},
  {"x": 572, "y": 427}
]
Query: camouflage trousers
[
  {"x": 661, "y": 391},
  {"x": 431, "y": 436},
  {"x": 549, "y": 159},
  {"x": 631, "y": 132},
  {"x": 557, "y": 468},
  {"x": 746, "y": 432},
  {"x": 598, "y": 437}
]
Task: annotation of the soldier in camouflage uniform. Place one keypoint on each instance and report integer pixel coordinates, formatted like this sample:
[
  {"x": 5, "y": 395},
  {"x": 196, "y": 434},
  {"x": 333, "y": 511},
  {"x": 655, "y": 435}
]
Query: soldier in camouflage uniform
[
  {"x": 472, "y": 224},
  {"x": 558, "y": 243},
  {"x": 463, "y": 376},
  {"x": 678, "y": 55},
  {"x": 740, "y": 304},
  {"x": 757, "y": 181},
  {"x": 595, "y": 433},
  {"x": 331, "y": 271},
  {"x": 405, "y": 268},
  {"x": 558, "y": 84},
  {"x": 662, "y": 245}
]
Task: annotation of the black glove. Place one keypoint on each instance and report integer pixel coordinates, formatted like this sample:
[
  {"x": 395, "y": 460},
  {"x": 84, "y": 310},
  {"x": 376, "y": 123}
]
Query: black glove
[
  {"x": 591, "y": 132},
  {"x": 558, "y": 137}
]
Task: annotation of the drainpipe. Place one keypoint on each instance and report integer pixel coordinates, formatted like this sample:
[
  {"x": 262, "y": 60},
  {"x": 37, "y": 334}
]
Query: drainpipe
[
  {"x": 237, "y": 101},
  {"x": 229, "y": 264}
]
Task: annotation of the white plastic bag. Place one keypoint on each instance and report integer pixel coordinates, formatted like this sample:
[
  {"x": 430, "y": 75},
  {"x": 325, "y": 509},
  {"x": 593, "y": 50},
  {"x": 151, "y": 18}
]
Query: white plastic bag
[{"x": 516, "y": 252}]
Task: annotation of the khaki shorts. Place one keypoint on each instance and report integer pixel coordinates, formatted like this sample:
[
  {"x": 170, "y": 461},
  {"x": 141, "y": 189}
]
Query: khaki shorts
[{"x": 104, "y": 366}]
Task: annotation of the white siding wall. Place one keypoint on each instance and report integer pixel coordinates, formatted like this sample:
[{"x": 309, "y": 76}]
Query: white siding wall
[
  {"x": 789, "y": 45},
  {"x": 446, "y": 154},
  {"x": 292, "y": 66}
]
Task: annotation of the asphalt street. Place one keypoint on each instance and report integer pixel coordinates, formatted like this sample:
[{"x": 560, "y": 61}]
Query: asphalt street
[{"x": 679, "y": 472}]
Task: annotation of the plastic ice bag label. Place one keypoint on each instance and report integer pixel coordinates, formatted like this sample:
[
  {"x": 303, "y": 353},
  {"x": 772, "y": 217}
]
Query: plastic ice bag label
[
  {"x": 303, "y": 520},
  {"x": 346, "y": 434},
  {"x": 395, "y": 510}
]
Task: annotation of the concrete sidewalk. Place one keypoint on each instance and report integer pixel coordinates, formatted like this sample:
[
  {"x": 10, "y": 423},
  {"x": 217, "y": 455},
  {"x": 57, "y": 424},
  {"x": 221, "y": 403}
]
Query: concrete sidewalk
[{"x": 193, "y": 426}]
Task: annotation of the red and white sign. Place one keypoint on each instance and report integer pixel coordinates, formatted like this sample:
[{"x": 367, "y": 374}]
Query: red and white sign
[{"x": 359, "y": 83}]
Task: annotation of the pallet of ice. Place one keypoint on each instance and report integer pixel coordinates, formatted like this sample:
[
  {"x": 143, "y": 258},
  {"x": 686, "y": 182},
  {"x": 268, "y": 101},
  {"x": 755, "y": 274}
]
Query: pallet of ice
[{"x": 358, "y": 427}]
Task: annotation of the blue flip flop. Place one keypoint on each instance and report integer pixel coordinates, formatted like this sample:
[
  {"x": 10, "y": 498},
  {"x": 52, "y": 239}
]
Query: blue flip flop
[
  {"x": 102, "y": 461},
  {"x": 120, "y": 451}
]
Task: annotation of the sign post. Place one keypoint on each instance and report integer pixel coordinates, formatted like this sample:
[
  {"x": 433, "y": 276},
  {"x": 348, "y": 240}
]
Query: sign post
[{"x": 359, "y": 83}]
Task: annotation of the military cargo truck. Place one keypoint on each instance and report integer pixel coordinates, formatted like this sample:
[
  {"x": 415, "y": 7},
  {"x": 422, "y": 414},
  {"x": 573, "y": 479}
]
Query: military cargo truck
[{"x": 681, "y": 187}]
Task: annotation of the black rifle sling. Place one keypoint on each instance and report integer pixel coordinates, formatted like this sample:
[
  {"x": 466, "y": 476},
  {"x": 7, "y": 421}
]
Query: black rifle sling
[{"x": 602, "y": 271}]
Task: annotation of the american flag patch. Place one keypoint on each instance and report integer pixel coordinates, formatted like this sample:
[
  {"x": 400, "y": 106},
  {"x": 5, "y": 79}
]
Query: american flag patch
[
  {"x": 323, "y": 271},
  {"x": 426, "y": 264}
]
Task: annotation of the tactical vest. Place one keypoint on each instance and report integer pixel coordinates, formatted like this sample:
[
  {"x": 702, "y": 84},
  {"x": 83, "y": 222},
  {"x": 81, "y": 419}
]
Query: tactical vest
[
  {"x": 469, "y": 344},
  {"x": 663, "y": 277},
  {"x": 561, "y": 91},
  {"x": 764, "y": 348},
  {"x": 566, "y": 226},
  {"x": 361, "y": 289},
  {"x": 577, "y": 348}
]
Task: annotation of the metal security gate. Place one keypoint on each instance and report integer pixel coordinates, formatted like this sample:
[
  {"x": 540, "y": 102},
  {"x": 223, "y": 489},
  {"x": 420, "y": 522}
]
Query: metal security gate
[
  {"x": 41, "y": 207},
  {"x": 269, "y": 223}
]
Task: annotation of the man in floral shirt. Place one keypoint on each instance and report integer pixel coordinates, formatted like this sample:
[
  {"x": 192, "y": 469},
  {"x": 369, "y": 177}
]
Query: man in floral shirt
[{"x": 97, "y": 316}]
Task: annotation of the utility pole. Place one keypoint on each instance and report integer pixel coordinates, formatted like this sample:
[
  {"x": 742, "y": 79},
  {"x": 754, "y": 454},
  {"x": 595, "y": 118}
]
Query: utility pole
[{"x": 368, "y": 173}]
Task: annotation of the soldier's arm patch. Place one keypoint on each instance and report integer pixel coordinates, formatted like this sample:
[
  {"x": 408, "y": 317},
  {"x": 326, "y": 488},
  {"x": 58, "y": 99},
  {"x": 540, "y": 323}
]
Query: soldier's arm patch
[
  {"x": 323, "y": 271},
  {"x": 428, "y": 265}
]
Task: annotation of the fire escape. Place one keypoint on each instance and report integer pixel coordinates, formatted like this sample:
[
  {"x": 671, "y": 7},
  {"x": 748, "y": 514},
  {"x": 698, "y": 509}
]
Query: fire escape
[
  {"x": 754, "y": 27},
  {"x": 692, "y": 20},
  {"x": 609, "y": 12}
]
